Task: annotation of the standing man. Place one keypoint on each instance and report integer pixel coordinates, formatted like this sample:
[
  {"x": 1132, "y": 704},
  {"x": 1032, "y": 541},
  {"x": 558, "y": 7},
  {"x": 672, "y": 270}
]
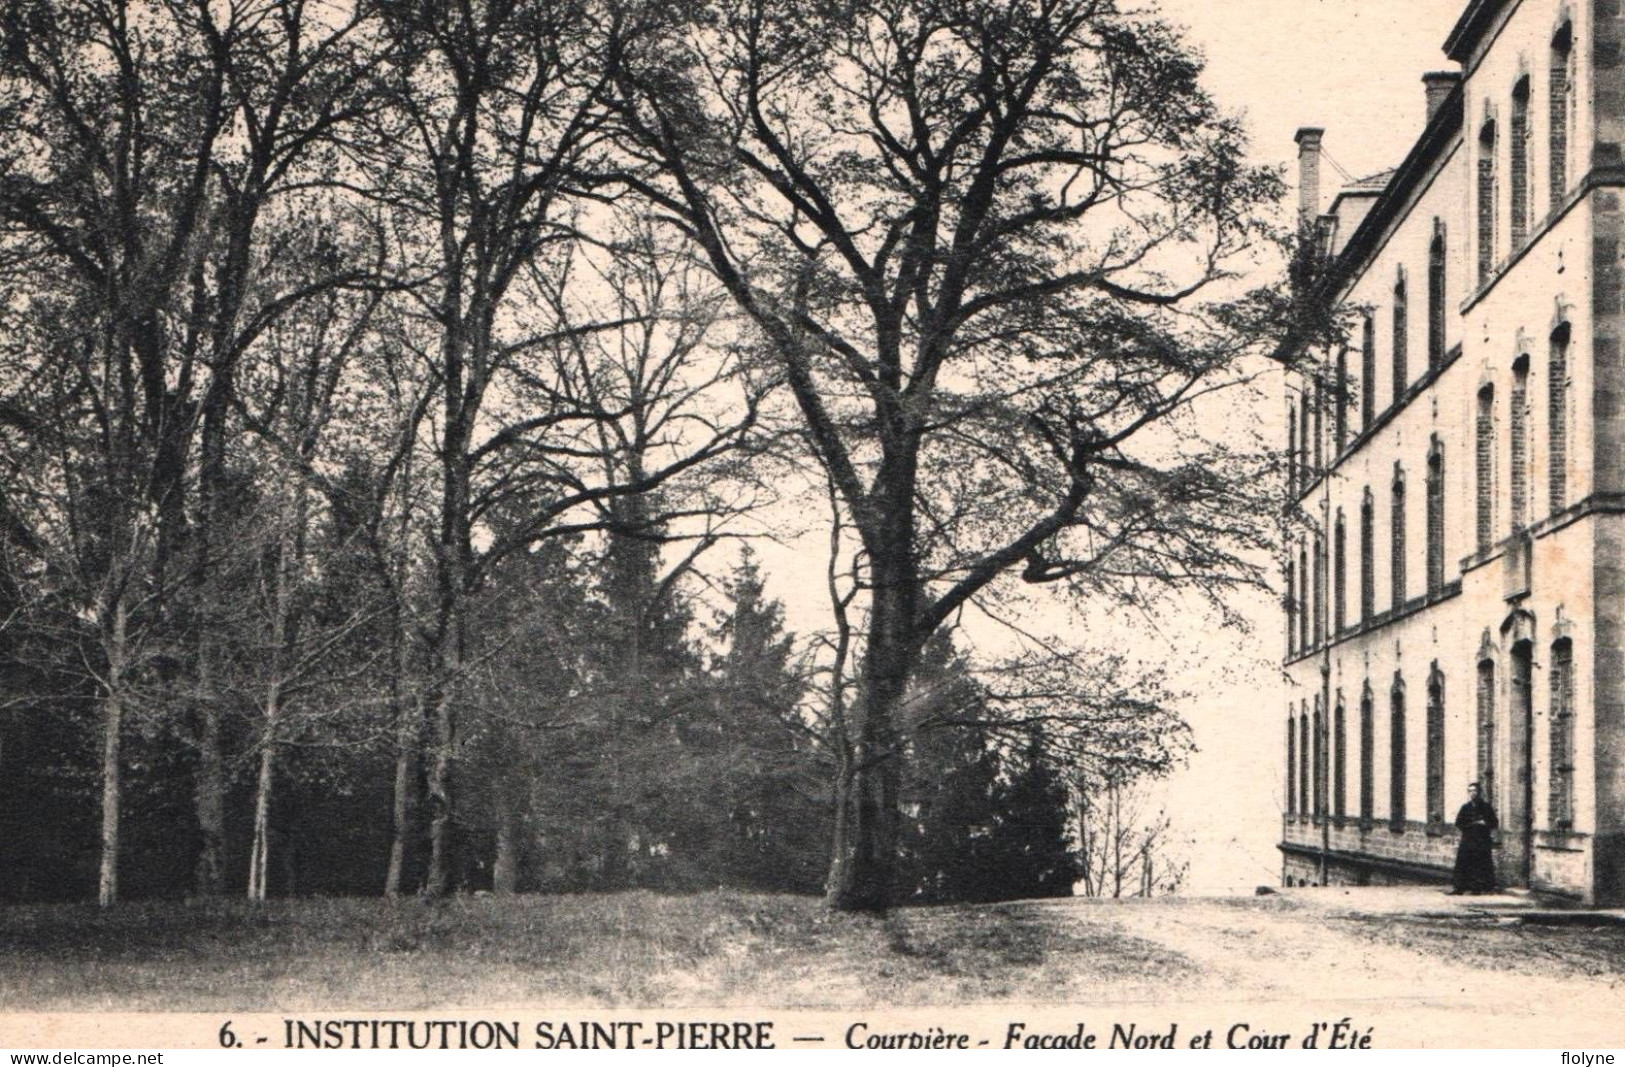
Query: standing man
[{"x": 1475, "y": 868}]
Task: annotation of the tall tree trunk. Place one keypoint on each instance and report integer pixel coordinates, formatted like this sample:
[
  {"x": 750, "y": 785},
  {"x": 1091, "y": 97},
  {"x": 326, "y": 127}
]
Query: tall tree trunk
[
  {"x": 453, "y": 564},
  {"x": 112, "y": 737},
  {"x": 438, "y": 880},
  {"x": 259, "y": 856},
  {"x": 867, "y": 880},
  {"x": 840, "y": 845},
  {"x": 407, "y": 740},
  {"x": 408, "y": 709},
  {"x": 505, "y": 871},
  {"x": 210, "y": 798},
  {"x": 210, "y": 788}
]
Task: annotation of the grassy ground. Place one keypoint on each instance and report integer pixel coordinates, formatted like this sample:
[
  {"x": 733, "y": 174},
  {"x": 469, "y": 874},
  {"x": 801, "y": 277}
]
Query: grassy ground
[
  {"x": 632, "y": 949},
  {"x": 644, "y": 950}
]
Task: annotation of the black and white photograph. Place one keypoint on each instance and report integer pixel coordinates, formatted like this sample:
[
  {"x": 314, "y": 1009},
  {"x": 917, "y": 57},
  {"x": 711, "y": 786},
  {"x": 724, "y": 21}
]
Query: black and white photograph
[{"x": 858, "y": 524}]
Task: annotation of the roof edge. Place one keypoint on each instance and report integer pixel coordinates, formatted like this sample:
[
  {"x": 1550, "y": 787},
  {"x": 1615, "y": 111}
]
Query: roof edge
[
  {"x": 1470, "y": 28},
  {"x": 1445, "y": 122}
]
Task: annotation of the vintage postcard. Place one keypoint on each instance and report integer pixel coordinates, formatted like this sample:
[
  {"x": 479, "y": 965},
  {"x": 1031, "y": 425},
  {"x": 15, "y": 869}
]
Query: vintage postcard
[{"x": 872, "y": 524}]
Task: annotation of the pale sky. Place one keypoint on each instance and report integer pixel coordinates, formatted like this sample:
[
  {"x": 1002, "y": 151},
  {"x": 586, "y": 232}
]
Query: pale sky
[{"x": 1353, "y": 67}]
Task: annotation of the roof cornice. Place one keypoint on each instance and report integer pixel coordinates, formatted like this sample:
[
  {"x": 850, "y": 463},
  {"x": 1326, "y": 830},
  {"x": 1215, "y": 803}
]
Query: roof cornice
[
  {"x": 1469, "y": 29},
  {"x": 1441, "y": 130}
]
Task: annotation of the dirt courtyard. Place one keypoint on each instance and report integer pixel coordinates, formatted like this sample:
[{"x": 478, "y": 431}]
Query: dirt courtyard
[{"x": 1406, "y": 967}]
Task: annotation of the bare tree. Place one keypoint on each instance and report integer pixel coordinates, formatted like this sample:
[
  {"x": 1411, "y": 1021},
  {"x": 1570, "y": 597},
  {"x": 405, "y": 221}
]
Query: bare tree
[
  {"x": 992, "y": 244},
  {"x": 1124, "y": 846},
  {"x": 113, "y": 119},
  {"x": 486, "y": 153}
]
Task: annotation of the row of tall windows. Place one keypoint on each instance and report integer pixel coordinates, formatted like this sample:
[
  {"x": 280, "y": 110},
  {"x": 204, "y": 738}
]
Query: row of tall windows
[
  {"x": 1306, "y": 460},
  {"x": 1317, "y": 762},
  {"x": 1317, "y": 759},
  {"x": 1306, "y": 594},
  {"x": 1521, "y": 153},
  {"x": 1520, "y": 450}
]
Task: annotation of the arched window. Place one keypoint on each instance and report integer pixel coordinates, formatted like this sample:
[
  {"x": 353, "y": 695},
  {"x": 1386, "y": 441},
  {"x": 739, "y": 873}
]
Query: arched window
[
  {"x": 1435, "y": 752},
  {"x": 1368, "y": 370},
  {"x": 1401, "y": 336},
  {"x": 1486, "y": 202},
  {"x": 1485, "y": 456},
  {"x": 1305, "y": 472},
  {"x": 1562, "y": 735},
  {"x": 1396, "y": 755},
  {"x": 1339, "y": 760},
  {"x": 1435, "y": 516},
  {"x": 1340, "y": 423},
  {"x": 1520, "y": 443},
  {"x": 1557, "y": 419},
  {"x": 1368, "y": 562},
  {"x": 1436, "y": 316},
  {"x": 1319, "y": 762},
  {"x": 1291, "y": 609},
  {"x": 1320, "y": 429},
  {"x": 1368, "y": 755},
  {"x": 1340, "y": 553},
  {"x": 1396, "y": 550},
  {"x": 1486, "y": 729},
  {"x": 1519, "y": 150},
  {"x": 1303, "y": 758},
  {"x": 1320, "y": 590},
  {"x": 1560, "y": 111},
  {"x": 1308, "y": 604},
  {"x": 1291, "y": 761},
  {"x": 1292, "y": 450}
]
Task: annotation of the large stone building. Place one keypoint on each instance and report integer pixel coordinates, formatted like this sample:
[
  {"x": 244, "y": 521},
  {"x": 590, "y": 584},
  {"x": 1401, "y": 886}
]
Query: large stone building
[{"x": 1456, "y": 585}]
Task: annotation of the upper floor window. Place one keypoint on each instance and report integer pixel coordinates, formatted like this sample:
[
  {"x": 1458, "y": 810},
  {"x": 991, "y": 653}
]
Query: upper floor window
[
  {"x": 1518, "y": 149},
  {"x": 1320, "y": 588},
  {"x": 1306, "y": 474},
  {"x": 1368, "y": 575},
  {"x": 1397, "y": 532},
  {"x": 1291, "y": 610},
  {"x": 1557, "y": 419},
  {"x": 1340, "y": 552},
  {"x": 1519, "y": 459},
  {"x": 1436, "y": 314},
  {"x": 1485, "y": 460},
  {"x": 1319, "y": 404},
  {"x": 1487, "y": 182},
  {"x": 1292, "y": 449},
  {"x": 1401, "y": 334},
  {"x": 1435, "y": 516},
  {"x": 1560, "y": 111},
  {"x": 1303, "y": 614},
  {"x": 1340, "y": 388},
  {"x": 1368, "y": 371}
]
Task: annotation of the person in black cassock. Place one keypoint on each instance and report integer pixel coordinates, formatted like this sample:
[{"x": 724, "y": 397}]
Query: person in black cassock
[{"x": 1475, "y": 867}]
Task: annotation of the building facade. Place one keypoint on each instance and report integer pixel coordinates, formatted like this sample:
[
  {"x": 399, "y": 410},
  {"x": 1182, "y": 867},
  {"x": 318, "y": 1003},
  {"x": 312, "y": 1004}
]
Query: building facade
[{"x": 1455, "y": 602}]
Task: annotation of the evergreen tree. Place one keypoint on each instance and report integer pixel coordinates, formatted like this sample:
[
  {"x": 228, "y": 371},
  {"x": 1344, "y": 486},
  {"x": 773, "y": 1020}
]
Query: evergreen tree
[
  {"x": 950, "y": 786},
  {"x": 1033, "y": 843},
  {"x": 772, "y": 803}
]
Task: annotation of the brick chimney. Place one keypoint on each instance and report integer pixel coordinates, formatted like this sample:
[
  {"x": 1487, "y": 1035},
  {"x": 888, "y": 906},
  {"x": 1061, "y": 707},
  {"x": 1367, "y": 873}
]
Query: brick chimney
[
  {"x": 1438, "y": 85},
  {"x": 1308, "y": 138}
]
